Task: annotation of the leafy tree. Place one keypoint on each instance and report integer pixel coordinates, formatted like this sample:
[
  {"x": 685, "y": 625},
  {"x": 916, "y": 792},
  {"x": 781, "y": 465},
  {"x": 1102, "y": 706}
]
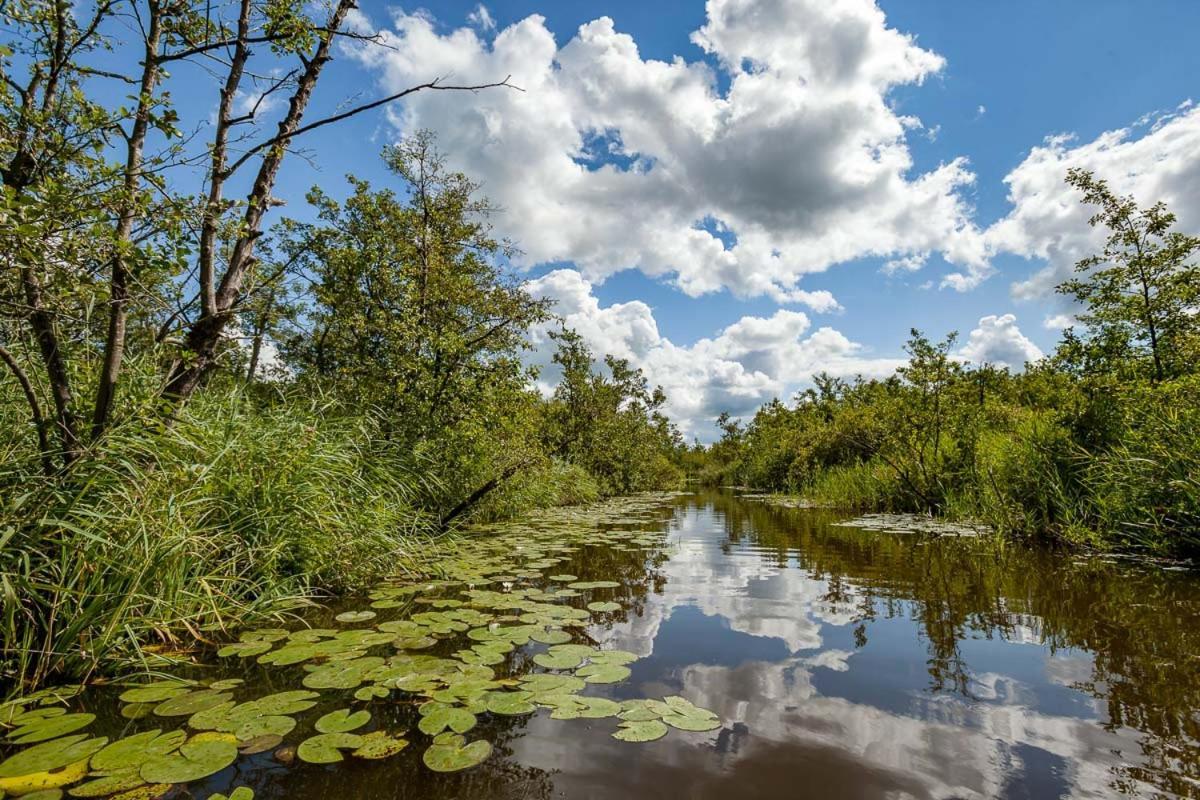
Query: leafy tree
[
  {"x": 1141, "y": 292},
  {"x": 409, "y": 308}
]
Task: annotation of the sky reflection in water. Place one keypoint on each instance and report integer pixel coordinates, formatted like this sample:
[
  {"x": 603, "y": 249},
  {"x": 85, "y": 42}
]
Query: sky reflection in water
[{"x": 855, "y": 664}]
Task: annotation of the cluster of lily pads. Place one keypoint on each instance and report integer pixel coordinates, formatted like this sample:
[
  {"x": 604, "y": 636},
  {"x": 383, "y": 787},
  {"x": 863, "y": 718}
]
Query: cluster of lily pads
[
  {"x": 915, "y": 523},
  {"x": 458, "y": 646}
]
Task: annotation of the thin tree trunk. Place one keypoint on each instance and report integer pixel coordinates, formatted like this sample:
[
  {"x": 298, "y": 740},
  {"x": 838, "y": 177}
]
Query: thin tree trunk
[
  {"x": 204, "y": 336},
  {"x": 35, "y": 409},
  {"x": 114, "y": 345}
]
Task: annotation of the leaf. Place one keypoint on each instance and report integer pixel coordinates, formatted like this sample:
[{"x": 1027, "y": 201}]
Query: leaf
[
  {"x": 641, "y": 731},
  {"x": 133, "y": 751},
  {"x": 510, "y": 703},
  {"x": 45, "y": 728},
  {"x": 121, "y": 780},
  {"x": 325, "y": 748},
  {"x": 154, "y": 692},
  {"x": 342, "y": 721},
  {"x": 686, "y": 723},
  {"x": 355, "y": 616},
  {"x": 240, "y": 793},
  {"x": 443, "y": 716},
  {"x": 450, "y": 753},
  {"x": 380, "y": 744},
  {"x": 199, "y": 757},
  {"x": 48, "y": 756},
  {"x": 603, "y": 673},
  {"x": 557, "y": 660},
  {"x": 601, "y": 607},
  {"x": 185, "y": 705}
]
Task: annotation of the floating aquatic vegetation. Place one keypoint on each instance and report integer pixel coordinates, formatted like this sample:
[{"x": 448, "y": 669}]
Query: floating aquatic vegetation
[
  {"x": 914, "y": 523},
  {"x": 240, "y": 793},
  {"x": 504, "y": 590},
  {"x": 203, "y": 755},
  {"x": 342, "y": 721},
  {"x": 325, "y": 748},
  {"x": 450, "y": 752}
]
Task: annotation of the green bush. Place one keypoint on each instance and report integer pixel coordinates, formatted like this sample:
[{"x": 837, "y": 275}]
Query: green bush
[{"x": 233, "y": 512}]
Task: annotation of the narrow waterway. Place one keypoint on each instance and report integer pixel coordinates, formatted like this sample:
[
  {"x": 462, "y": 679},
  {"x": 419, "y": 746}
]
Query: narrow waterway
[{"x": 840, "y": 662}]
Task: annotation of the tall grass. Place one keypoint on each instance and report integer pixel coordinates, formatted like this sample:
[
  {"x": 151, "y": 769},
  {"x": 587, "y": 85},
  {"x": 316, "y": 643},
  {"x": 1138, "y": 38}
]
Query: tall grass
[{"x": 236, "y": 512}]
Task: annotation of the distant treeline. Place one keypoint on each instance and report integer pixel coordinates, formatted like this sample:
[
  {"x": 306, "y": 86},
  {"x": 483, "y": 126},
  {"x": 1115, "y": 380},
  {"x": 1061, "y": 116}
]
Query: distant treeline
[{"x": 1098, "y": 443}]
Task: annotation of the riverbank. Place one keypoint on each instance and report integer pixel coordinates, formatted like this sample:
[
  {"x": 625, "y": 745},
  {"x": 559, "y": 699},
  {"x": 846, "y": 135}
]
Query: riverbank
[{"x": 239, "y": 513}]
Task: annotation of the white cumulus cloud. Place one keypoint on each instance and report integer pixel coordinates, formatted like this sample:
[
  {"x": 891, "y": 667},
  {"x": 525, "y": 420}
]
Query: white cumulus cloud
[
  {"x": 614, "y": 161},
  {"x": 743, "y": 366},
  {"x": 1157, "y": 158},
  {"x": 999, "y": 341}
]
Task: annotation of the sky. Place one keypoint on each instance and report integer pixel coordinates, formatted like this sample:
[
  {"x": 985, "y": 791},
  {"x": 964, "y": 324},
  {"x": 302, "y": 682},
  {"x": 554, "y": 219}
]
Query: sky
[{"x": 737, "y": 194}]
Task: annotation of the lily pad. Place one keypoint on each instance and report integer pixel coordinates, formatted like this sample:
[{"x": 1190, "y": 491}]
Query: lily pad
[
  {"x": 450, "y": 753},
  {"x": 154, "y": 692},
  {"x": 557, "y": 660},
  {"x": 355, "y": 616},
  {"x": 121, "y": 780},
  {"x": 135, "y": 750},
  {"x": 324, "y": 748},
  {"x": 641, "y": 731},
  {"x": 342, "y": 721},
  {"x": 380, "y": 744},
  {"x": 603, "y": 673},
  {"x": 185, "y": 705},
  {"x": 510, "y": 703},
  {"x": 46, "y": 728},
  {"x": 49, "y": 756},
  {"x": 600, "y": 607},
  {"x": 442, "y": 717},
  {"x": 240, "y": 793},
  {"x": 197, "y": 758}
]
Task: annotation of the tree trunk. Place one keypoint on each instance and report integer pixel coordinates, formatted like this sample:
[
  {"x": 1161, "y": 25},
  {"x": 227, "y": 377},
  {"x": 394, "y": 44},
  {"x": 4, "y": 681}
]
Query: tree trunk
[
  {"x": 114, "y": 345},
  {"x": 35, "y": 410}
]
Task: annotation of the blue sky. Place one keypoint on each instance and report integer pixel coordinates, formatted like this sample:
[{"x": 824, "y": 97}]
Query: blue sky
[{"x": 735, "y": 195}]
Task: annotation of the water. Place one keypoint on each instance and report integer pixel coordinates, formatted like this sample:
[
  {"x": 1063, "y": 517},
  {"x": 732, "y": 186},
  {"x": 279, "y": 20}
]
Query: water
[{"x": 844, "y": 664}]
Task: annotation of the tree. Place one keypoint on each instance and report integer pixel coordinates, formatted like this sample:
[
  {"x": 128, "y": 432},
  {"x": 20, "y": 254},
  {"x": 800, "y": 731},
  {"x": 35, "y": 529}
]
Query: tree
[
  {"x": 1141, "y": 292},
  {"x": 408, "y": 305},
  {"x": 101, "y": 221}
]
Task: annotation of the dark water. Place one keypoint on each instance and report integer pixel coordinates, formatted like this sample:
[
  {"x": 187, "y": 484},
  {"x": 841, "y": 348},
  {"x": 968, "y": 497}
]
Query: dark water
[{"x": 846, "y": 664}]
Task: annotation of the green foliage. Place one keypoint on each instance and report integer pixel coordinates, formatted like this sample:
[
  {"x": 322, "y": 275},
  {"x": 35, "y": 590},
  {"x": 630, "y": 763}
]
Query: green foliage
[
  {"x": 610, "y": 422},
  {"x": 1097, "y": 444}
]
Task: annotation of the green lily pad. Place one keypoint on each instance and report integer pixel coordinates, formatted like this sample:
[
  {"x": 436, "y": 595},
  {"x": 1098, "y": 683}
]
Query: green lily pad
[
  {"x": 121, "y": 780},
  {"x": 342, "y": 721},
  {"x": 46, "y": 728},
  {"x": 442, "y": 716},
  {"x": 557, "y": 660},
  {"x": 451, "y": 753},
  {"x": 564, "y": 578},
  {"x": 600, "y": 607},
  {"x": 355, "y": 616},
  {"x": 686, "y": 723},
  {"x": 324, "y": 748},
  {"x": 291, "y": 702},
  {"x": 226, "y": 685},
  {"x": 245, "y": 649},
  {"x": 367, "y": 693},
  {"x": 240, "y": 793},
  {"x": 343, "y": 674},
  {"x": 197, "y": 758},
  {"x": 135, "y": 750},
  {"x": 640, "y": 731},
  {"x": 154, "y": 692},
  {"x": 185, "y": 705},
  {"x": 51, "y": 755},
  {"x": 510, "y": 703},
  {"x": 259, "y": 744},
  {"x": 551, "y": 637},
  {"x": 380, "y": 744},
  {"x": 603, "y": 673}
]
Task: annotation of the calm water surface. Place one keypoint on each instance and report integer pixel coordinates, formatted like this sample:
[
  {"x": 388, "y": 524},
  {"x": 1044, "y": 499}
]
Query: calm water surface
[{"x": 846, "y": 664}]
